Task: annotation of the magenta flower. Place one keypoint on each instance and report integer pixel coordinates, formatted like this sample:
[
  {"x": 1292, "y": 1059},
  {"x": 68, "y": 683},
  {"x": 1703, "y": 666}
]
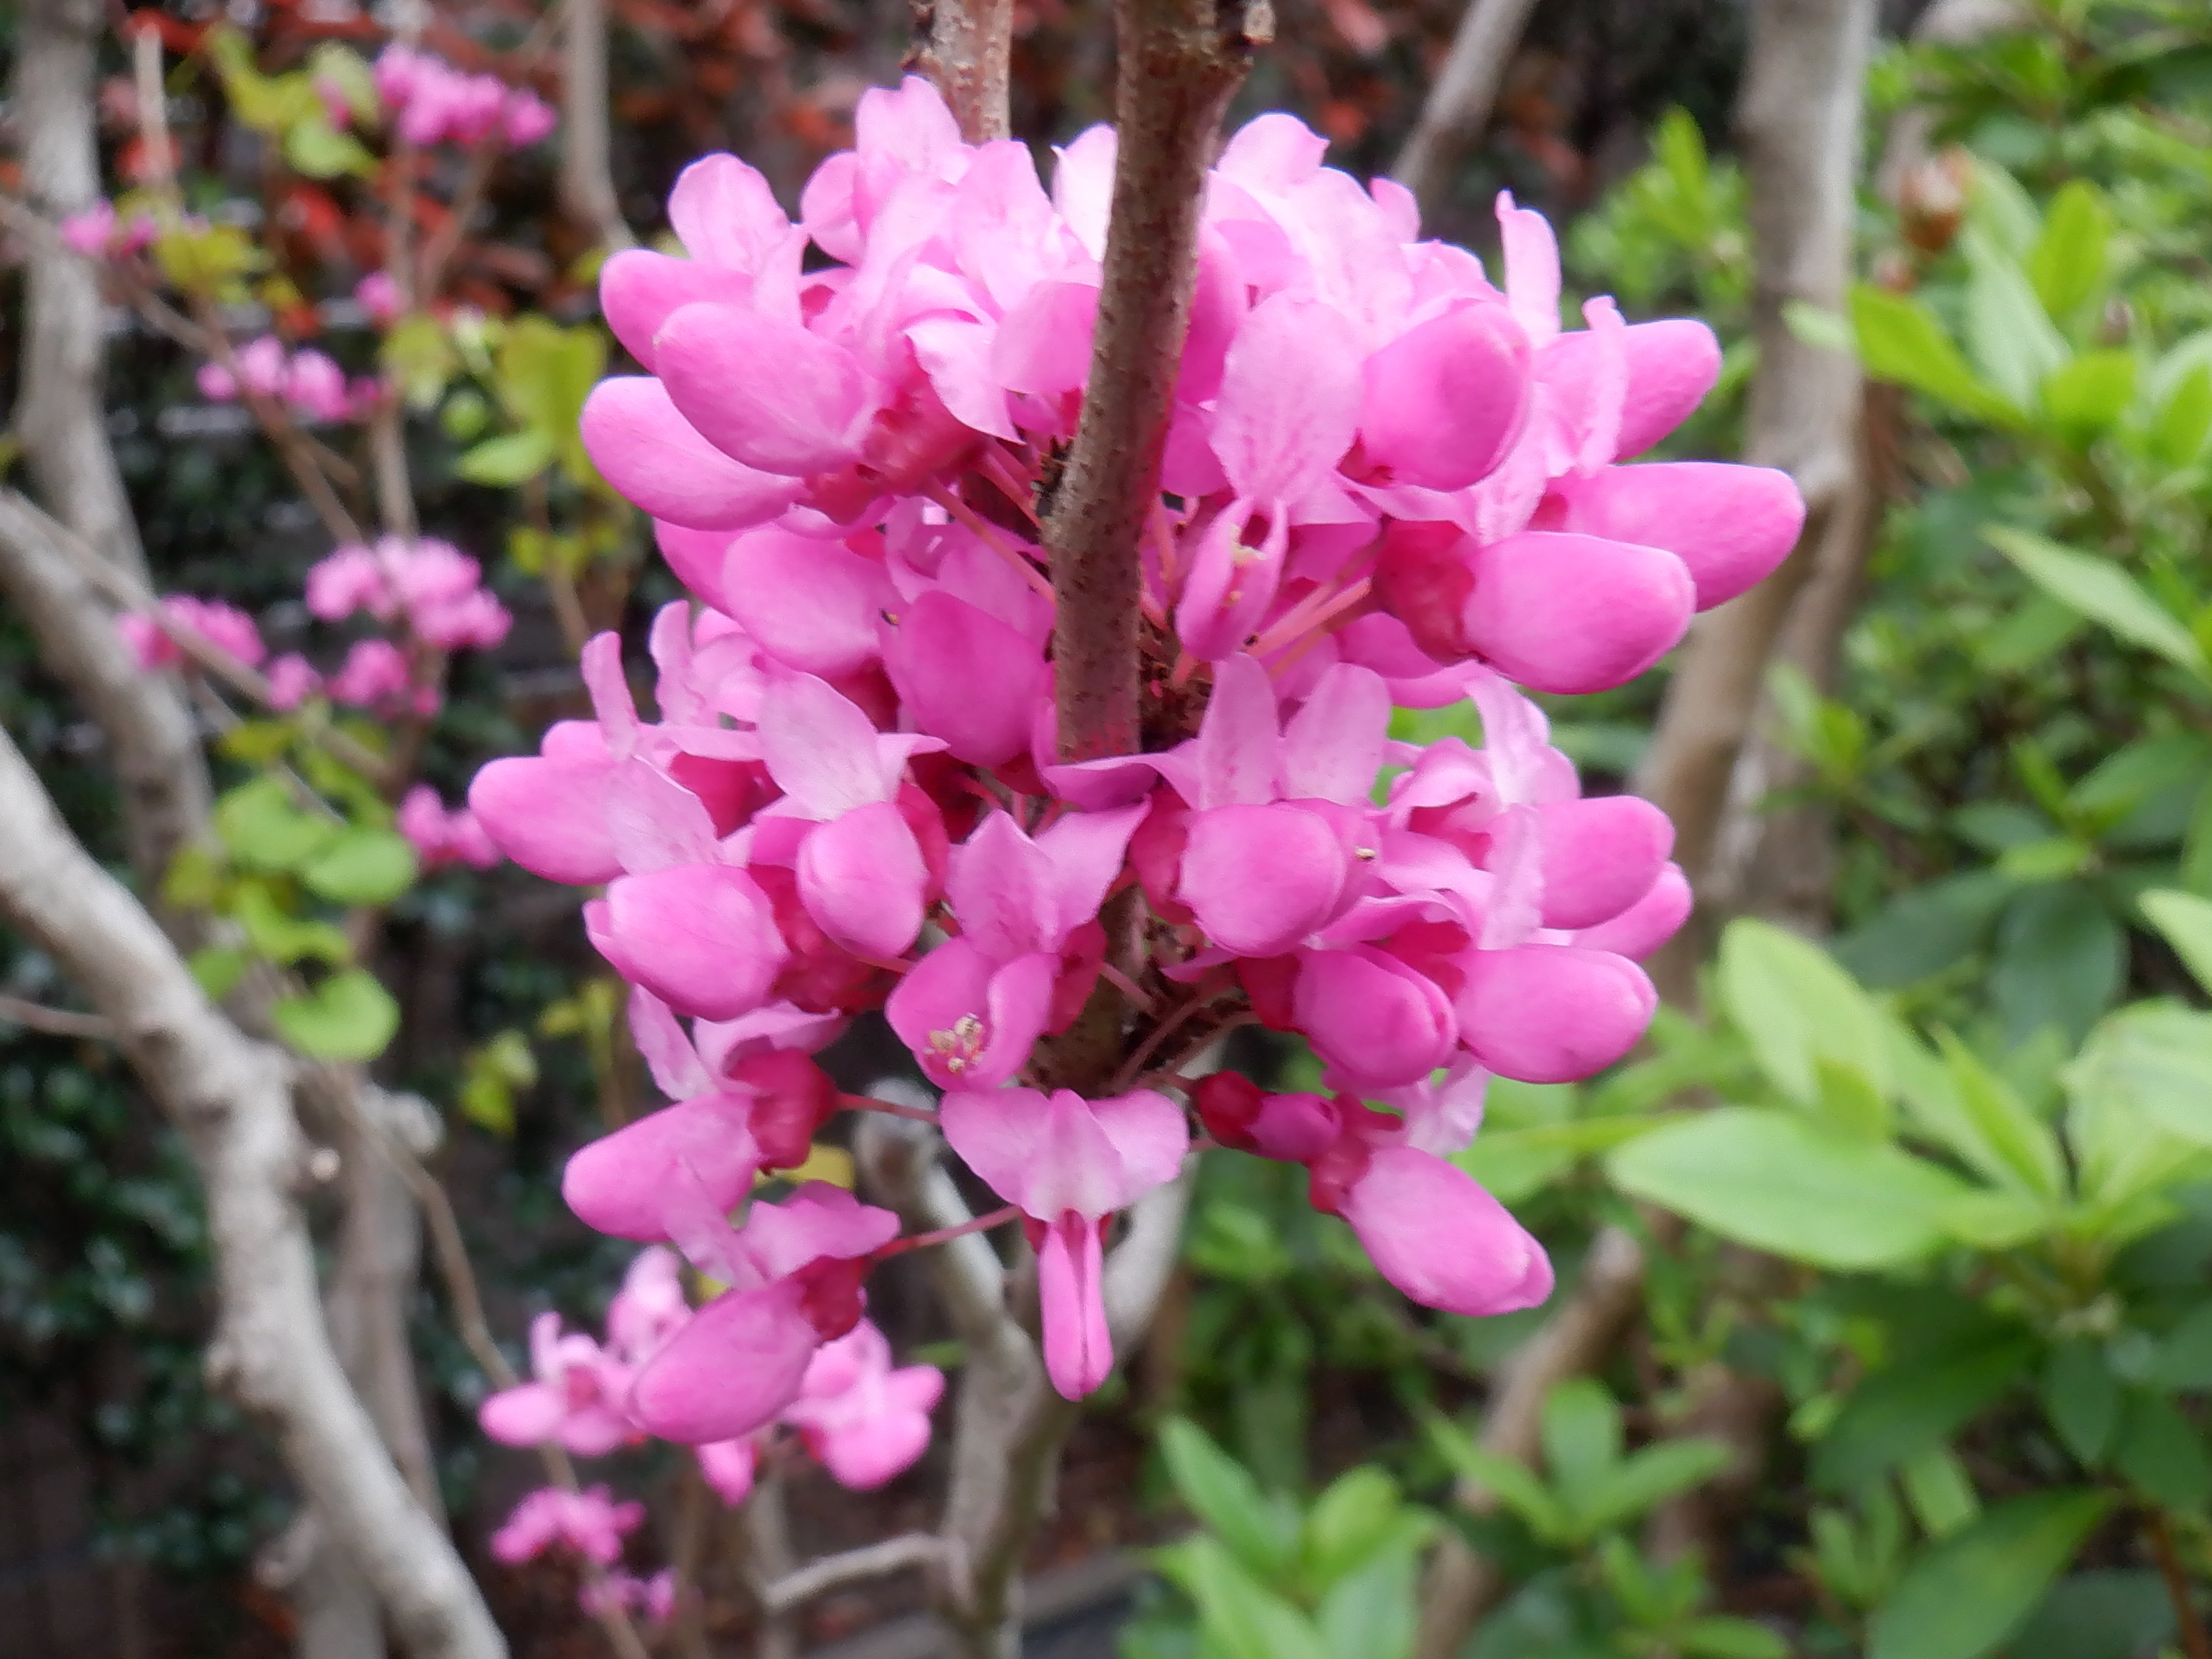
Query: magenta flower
[
  {"x": 573, "y": 1398},
  {"x": 589, "y": 1522},
  {"x": 1069, "y": 1163},
  {"x": 863, "y": 1420}
]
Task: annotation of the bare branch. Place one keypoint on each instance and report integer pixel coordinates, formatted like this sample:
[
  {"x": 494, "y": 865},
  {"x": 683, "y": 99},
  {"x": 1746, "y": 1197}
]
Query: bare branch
[
  {"x": 1457, "y": 109},
  {"x": 588, "y": 182},
  {"x": 1180, "y": 62},
  {"x": 913, "y": 1549},
  {"x": 967, "y": 48},
  {"x": 1461, "y": 1585},
  {"x": 55, "y": 1022},
  {"x": 230, "y": 1099}
]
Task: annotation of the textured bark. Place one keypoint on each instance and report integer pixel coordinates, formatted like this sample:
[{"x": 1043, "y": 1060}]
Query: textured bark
[
  {"x": 230, "y": 1099},
  {"x": 59, "y": 418},
  {"x": 588, "y": 180},
  {"x": 1799, "y": 121},
  {"x": 967, "y": 46},
  {"x": 1180, "y": 62},
  {"x": 1457, "y": 109},
  {"x": 1461, "y": 1586}
]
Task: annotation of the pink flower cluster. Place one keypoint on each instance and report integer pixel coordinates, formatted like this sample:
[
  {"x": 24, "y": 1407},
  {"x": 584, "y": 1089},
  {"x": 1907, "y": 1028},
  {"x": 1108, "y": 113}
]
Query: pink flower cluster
[
  {"x": 435, "y": 585},
  {"x": 312, "y": 384},
  {"x": 436, "y": 103},
  {"x": 99, "y": 231},
  {"x": 589, "y": 1522},
  {"x": 654, "y": 1598},
  {"x": 221, "y": 625},
  {"x": 442, "y": 837},
  {"x": 865, "y": 1420},
  {"x": 1388, "y": 481}
]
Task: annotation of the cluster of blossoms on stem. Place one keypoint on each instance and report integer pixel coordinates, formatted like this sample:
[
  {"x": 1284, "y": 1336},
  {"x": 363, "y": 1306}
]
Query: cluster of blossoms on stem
[
  {"x": 100, "y": 232},
  {"x": 1388, "y": 480},
  {"x": 308, "y": 382},
  {"x": 863, "y": 1420},
  {"x": 433, "y": 102}
]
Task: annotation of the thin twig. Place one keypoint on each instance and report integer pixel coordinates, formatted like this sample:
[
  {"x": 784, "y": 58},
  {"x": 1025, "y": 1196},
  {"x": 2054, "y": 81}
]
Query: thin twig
[
  {"x": 913, "y": 1549},
  {"x": 2195, "y": 1642},
  {"x": 55, "y": 1022}
]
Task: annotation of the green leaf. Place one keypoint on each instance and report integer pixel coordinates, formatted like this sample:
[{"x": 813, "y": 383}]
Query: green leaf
[
  {"x": 2185, "y": 1358},
  {"x": 1714, "y": 1636},
  {"x": 317, "y": 150},
  {"x": 494, "y": 1072},
  {"x": 1923, "y": 931},
  {"x": 2021, "y": 1147},
  {"x": 1775, "y": 1181},
  {"x": 418, "y": 354},
  {"x": 1512, "y": 1481},
  {"x": 348, "y": 1017},
  {"x": 265, "y": 828},
  {"x": 1370, "y": 1614},
  {"x": 504, "y": 462},
  {"x": 2068, "y": 263},
  {"x": 2098, "y": 1615},
  {"x": 2086, "y": 396},
  {"x": 1796, "y": 1008},
  {"x": 2081, "y": 1398},
  {"x": 1259, "y": 1529},
  {"x": 1961, "y": 1599},
  {"x": 2156, "y": 1057},
  {"x": 2186, "y": 920},
  {"x": 1942, "y": 1499},
  {"x": 1648, "y": 1478},
  {"x": 2008, "y": 336},
  {"x": 2160, "y": 1452},
  {"x": 2176, "y": 436},
  {"x": 361, "y": 866},
  {"x": 2101, "y": 590},
  {"x": 1581, "y": 1432},
  {"x": 279, "y": 935},
  {"x": 1899, "y": 339},
  {"x": 2059, "y": 957},
  {"x": 1916, "y": 1406},
  {"x": 1243, "y": 1618},
  {"x": 1513, "y": 1164},
  {"x": 218, "y": 968}
]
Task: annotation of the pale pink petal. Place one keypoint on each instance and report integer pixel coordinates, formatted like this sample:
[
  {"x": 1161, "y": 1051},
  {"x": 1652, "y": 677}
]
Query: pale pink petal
[
  {"x": 1238, "y": 744},
  {"x": 766, "y": 393},
  {"x": 640, "y": 290},
  {"x": 653, "y": 456},
  {"x": 529, "y": 1414},
  {"x": 1000, "y": 885},
  {"x": 1331, "y": 747},
  {"x": 1532, "y": 267},
  {"x": 619, "y": 1183},
  {"x": 971, "y": 1023},
  {"x": 1078, "y": 1351},
  {"x": 811, "y": 604},
  {"x": 1439, "y": 1238},
  {"x": 1289, "y": 405},
  {"x": 1086, "y": 851},
  {"x": 725, "y": 213},
  {"x": 861, "y": 877},
  {"x": 730, "y": 1370},
  {"x": 666, "y": 1051}
]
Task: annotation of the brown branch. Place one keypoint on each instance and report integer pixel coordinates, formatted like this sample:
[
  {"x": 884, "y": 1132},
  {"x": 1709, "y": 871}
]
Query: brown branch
[
  {"x": 1462, "y": 1585},
  {"x": 230, "y": 1099},
  {"x": 54, "y": 1022},
  {"x": 966, "y": 47},
  {"x": 2159, "y": 1534},
  {"x": 1180, "y": 62},
  {"x": 1456, "y": 111},
  {"x": 588, "y": 182}
]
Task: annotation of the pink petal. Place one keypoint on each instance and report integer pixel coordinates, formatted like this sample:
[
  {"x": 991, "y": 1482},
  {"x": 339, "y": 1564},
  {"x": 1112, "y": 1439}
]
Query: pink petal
[
  {"x": 640, "y": 290},
  {"x": 696, "y": 556},
  {"x": 1289, "y": 405},
  {"x": 1439, "y": 1237},
  {"x": 1551, "y": 1013},
  {"x": 1260, "y": 878},
  {"x": 1043, "y": 345},
  {"x": 595, "y": 1430},
  {"x": 1729, "y": 524},
  {"x": 1445, "y": 399},
  {"x": 1376, "y": 1020},
  {"x": 818, "y": 1221},
  {"x": 1672, "y": 364},
  {"x": 655, "y": 821},
  {"x": 1576, "y": 614},
  {"x": 766, "y": 393},
  {"x": 969, "y": 1021},
  {"x": 964, "y": 677},
  {"x": 728, "y": 1467},
  {"x": 701, "y": 938},
  {"x": 1333, "y": 747},
  {"x": 811, "y": 604},
  {"x": 529, "y": 1414},
  {"x": 548, "y": 816},
  {"x": 618, "y": 1184},
  {"x": 1600, "y": 856},
  {"x": 1000, "y": 885},
  {"x": 822, "y": 749},
  {"x": 1149, "y": 1136},
  {"x": 1079, "y": 1350},
  {"x": 1648, "y": 923},
  {"x": 871, "y": 1453},
  {"x": 1237, "y": 748},
  {"x": 1532, "y": 267},
  {"x": 666, "y": 1051},
  {"x": 861, "y": 877},
  {"x": 653, "y": 456},
  {"x": 730, "y": 1370},
  {"x": 1085, "y": 852},
  {"x": 724, "y": 213}
]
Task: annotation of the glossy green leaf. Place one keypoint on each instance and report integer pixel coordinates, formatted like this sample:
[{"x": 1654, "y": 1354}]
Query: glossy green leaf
[
  {"x": 1899, "y": 339},
  {"x": 1242, "y": 1616},
  {"x": 361, "y": 866},
  {"x": 2060, "y": 953},
  {"x": 2101, "y": 590},
  {"x": 2010, "y": 338},
  {"x": 1260, "y": 1530},
  {"x": 2085, "y": 396},
  {"x": 1370, "y": 1614},
  {"x": 2161, "y": 1452},
  {"x": 348, "y": 1017},
  {"x": 1961, "y": 1599},
  {"x": 1779, "y": 1183},
  {"x": 2156, "y": 1057}
]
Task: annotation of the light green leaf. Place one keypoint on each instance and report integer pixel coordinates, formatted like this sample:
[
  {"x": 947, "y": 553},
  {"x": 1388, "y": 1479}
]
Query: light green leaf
[
  {"x": 1581, "y": 1435},
  {"x": 1715, "y": 1637},
  {"x": 218, "y": 968},
  {"x": 2068, "y": 263},
  {"x": 2086, "y": 396},
  {"x": 1512, "y": 1164},
  {"x": 2176, "y": 436},
  {"x": 1773, "y": 1181},
  {"x": 2101, "y": 590},
  {"x": 1370, "y": 1614},
  {"x": 361, "y": 866},
  {"x": 1243, "y": 1617},
  {"x": 2010, "y": 1142},
  {"x": 504, "y": 461},
  {"x": 2186, "y": 920},
  {"x": 1942, "y": 1498},
  {"x": 1259, "y": 1529},
  {"x": 1345, "y": 1522},
  {"x": 2156, "y": 1057},
  {"x": 1513, "y": 1482},
  {"x": 1899, "y": 339},
  {"x": 348, "y": 1017},
  {"x": 279, "y": 935},
  {"x": 1961, "y": 1599},
  {"x": 1648, "y": 1478},
  {"x": 317, "y": 150},
  {"x": 1796, "y": 1008},
  {"x": 2009, "y": 337},
  {"x": 265, "y": 828}
]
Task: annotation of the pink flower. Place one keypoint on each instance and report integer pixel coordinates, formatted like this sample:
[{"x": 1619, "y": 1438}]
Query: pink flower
[
  {"x": 227, "y": 629},
  {"x": 527, "y": 117},
  {"x": 379, "y": 295},
  {"x": 348, "y": 578},
  {"x": 89, "y": 230},
  {"x": 316, "y": 387},
  {"x": 589, "y": 1522},
  {"x": 1069, "y": 1163},
  {"x": 574, "y": 1398},
  {"x": 292, "y": 681},
  {"x": 729, "y": 1467},
  {"x": 866, "y": 1421},
  {"x": 442, "y": 837},
  {"x": 373, "y": 673}
]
